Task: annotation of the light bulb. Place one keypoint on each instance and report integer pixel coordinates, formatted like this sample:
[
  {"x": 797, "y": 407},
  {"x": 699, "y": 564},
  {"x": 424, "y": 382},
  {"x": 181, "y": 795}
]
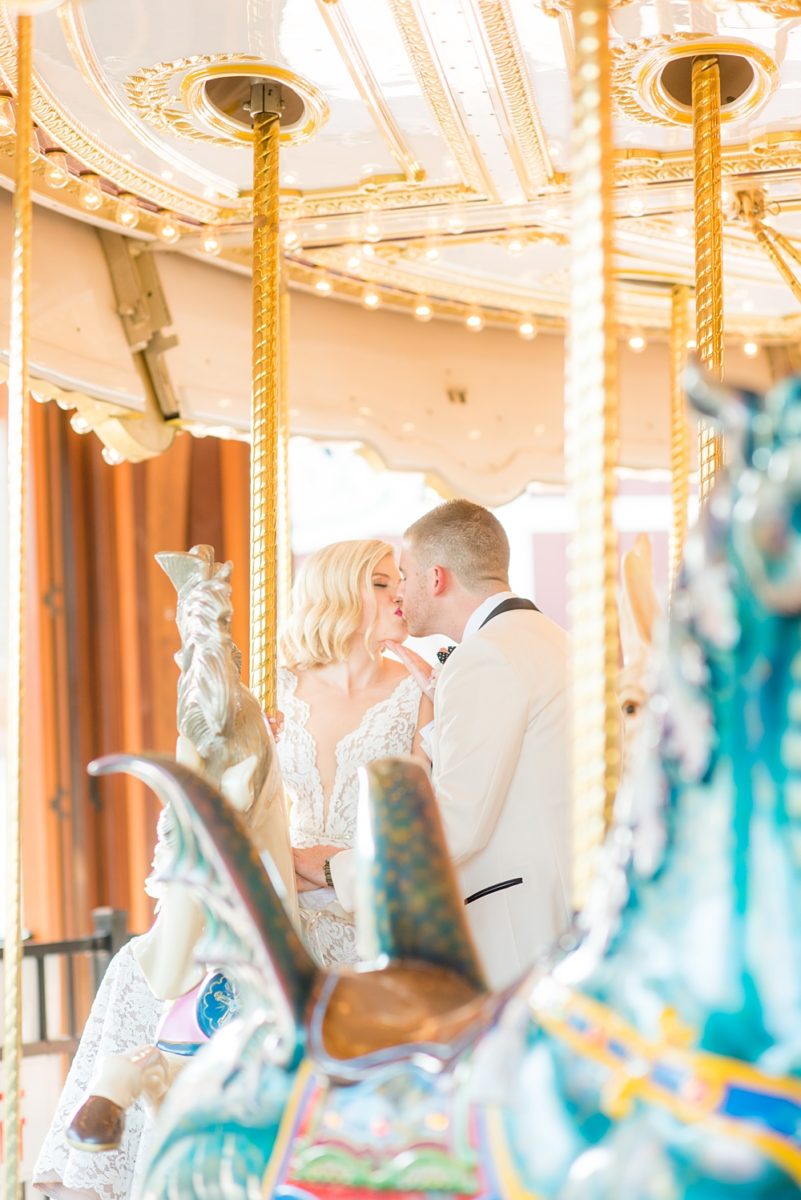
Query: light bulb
[
  {"x": 79, "y": 423},
  {"x": 354, "y": 260},
  {"x": 527, "y": 329},
  {"x": 475, "y": 322},
  {"x": 91, "y": 197},
  {"x": 57, "y": 173},
  {"x": 167, "y": 228},
  {"x": 637, "y": 343},
  {"x": 515, "y": 246},
  {"x": 552, "y": 212},
  {"x": 323, "y": 286},
  {"x": 8, "y": 121},
  {"x": 455, "y": 224},
  {"x": 210, "y": 240},
  {"x": 423, "y": 310},
  {"x": 751, "y": 349},
  {"x": 372, "y": 231},
  {"x": 371, "y": 299},
  {"x": 432, "y": 253},
  {"x": 291, "y": 237},
  {"x": 635, "y": 205},
  {"x": 127, "y": 211},
  {"x": 112, "y": 457},
  {"x": 690, "y": 343}
]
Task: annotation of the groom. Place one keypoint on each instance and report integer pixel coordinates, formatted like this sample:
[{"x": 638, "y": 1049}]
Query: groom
[{"x": 499, "y": 742}]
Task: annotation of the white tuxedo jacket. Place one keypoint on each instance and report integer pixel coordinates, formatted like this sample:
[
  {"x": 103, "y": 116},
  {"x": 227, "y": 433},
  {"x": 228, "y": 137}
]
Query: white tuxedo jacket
[{"x": 500, "y": 773}]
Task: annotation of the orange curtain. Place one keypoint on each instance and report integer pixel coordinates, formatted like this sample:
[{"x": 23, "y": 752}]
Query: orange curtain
[{"x": 101, "y": 637}]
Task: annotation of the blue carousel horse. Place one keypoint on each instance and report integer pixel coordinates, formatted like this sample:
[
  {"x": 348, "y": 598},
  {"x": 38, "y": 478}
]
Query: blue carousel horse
[{"x": 660, "y": 1058}]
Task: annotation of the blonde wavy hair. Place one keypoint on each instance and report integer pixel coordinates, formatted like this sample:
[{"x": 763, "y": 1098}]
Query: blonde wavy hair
[{"x": 327, "y": 603}]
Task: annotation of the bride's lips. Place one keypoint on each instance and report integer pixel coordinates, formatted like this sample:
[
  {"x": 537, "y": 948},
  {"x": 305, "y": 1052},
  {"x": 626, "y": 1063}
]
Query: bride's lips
[{"x": 399, "y": 613}]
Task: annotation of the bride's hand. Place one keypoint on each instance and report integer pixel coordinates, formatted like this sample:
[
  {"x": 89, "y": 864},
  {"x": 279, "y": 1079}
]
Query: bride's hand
[
  {"x": 276, "y": 722},
  {"x": 414, "y": 663}
]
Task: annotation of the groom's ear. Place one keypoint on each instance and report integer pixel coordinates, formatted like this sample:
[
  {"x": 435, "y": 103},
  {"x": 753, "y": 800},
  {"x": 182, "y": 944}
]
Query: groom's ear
[{"x": 441, "y": 577}]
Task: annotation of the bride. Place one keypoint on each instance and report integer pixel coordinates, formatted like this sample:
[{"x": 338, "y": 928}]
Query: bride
[{"x": 344, "y": 704}]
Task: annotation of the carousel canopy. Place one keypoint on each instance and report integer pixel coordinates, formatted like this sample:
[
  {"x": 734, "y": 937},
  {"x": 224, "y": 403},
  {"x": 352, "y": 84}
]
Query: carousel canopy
[{"x": 424, "y": 174}]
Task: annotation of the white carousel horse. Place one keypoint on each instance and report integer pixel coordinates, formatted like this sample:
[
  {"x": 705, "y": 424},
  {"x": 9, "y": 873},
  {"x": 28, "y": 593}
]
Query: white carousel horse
[{"x": 223, "y": 735}]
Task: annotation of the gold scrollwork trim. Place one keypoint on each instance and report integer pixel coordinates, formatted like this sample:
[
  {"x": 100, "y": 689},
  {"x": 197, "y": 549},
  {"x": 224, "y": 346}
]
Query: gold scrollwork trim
[
  {"x": 776, "y": 151},
  {"x": 191, "y": 116},
  {"x": 555, "y": 8},
  {"x": 437, "y": 91},
  {"x": 637, "y": 72},
  {"x": 527, "y": 145},
  {"x": 778, "y": 8},
  {"x": 81, "y": 144}
]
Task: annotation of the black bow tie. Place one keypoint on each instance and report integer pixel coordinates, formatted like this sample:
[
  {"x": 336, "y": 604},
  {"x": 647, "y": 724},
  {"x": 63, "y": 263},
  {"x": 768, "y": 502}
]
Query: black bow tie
[{"x": 445, "y": 653}]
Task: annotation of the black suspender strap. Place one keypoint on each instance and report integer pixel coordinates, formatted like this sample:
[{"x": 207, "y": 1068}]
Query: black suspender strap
[{"x": 508, "y": 606}]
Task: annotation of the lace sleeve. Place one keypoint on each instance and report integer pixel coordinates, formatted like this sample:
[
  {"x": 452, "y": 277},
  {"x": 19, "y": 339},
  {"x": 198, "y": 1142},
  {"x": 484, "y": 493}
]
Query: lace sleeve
[{"x": 124, "y": 1015}]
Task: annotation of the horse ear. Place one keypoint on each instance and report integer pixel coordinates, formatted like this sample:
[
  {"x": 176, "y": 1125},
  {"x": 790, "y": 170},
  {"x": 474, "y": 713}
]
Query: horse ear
[
  {"x": 732, "y": 408},
  {"x": 182, "y": 566},
  {"x": 640, "y": 607}
]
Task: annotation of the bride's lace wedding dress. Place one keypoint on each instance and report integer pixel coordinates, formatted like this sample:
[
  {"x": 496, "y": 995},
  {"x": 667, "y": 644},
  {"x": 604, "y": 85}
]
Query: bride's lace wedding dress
[{"x": 386, "y": 728}]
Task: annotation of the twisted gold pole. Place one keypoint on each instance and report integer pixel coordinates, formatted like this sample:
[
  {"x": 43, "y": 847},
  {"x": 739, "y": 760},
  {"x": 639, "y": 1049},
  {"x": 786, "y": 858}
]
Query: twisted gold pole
[
  {"x": 18, "y": 422},
  {"x": 285, "y": 516},
  {"x": 264, "y": 410},
  {"x": 708, "y": 250},
  {"x": 680, "y": 434},
  {"x": 591, "y": 438}
]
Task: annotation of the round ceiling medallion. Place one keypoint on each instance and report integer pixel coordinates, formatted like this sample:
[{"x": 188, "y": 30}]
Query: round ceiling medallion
[
  {"x": 204, "y": 98},
  {"x": 652, "y": 78}
]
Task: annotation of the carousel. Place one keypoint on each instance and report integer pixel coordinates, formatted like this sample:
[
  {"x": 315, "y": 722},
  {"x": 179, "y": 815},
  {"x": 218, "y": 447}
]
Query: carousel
[{"x": 499, "y": 243}]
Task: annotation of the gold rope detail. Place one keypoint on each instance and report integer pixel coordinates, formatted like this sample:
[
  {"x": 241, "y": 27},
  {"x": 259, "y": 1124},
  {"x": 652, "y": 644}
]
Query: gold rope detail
[
  {"x": 264, "y": 411},
  {"x": 285, "y": 515},
  {"x": 18, "y": 423},
  {"x": 679, "y": 429},
  {"x": 708, "y": 251},
  {"x": 591, "y": 440}
]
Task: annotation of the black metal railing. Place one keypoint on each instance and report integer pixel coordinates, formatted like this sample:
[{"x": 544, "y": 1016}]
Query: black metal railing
[{"x": 110, "y": 934}]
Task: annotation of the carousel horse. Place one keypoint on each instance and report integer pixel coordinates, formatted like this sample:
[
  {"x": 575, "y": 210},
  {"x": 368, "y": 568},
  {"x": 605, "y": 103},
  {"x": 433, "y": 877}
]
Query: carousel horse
[
  {"x": 660, "y": 1056},
  {"x": 224, "y": 737}
]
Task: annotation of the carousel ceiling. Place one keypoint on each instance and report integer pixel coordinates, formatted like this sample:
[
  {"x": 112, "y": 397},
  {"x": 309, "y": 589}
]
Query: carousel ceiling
[{"x": 428, "y": 167}]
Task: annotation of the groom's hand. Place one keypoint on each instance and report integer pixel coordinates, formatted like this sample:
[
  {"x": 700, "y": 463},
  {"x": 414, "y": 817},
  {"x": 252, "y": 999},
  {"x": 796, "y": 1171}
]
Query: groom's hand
[
  {"x": 309, "y": 865},
  {"x": 414, "y": 663}
]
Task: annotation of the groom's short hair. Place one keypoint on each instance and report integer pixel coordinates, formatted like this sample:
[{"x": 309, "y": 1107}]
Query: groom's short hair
[{"x": 465, "y": 538}]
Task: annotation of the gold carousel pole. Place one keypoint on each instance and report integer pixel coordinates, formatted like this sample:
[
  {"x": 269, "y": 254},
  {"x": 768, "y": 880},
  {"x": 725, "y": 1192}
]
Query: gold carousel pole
[
  {"x": 285, "y": 522},
  {"x": 708, "y": 250},
  {"x": 265, "y": 404},
  {"x": 680, "y": 436},
  {"x": 18, "y": 422},
  {"x": 591, "y": 429}
]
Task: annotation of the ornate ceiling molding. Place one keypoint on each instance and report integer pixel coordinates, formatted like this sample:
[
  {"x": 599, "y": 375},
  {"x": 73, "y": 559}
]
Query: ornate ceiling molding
[
  {"x": 366, "y": 84},
  {"x": 555, "y": 8},
  {"x": 528, "y": 144},
  {"x": 68, "y": 133},
  {"x": 437, "y": 91},
  {"x": 637, "y": 69},
  {"x": 150, "y": 94},
  {"x": 73, "y": 25}
]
